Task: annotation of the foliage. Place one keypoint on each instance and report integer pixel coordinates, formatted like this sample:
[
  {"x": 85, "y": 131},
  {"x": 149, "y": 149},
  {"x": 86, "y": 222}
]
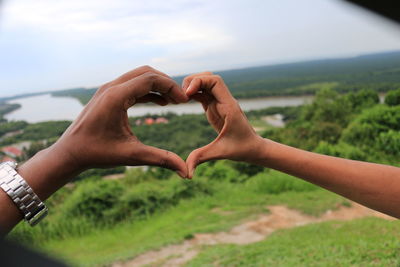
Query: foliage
[
  {"x": 7, "y": 108},
  {"x": 378, "y": 72},
  {"x": 148, "y": 197},
  {"x": 375, "y": 129},
  {"x": 276, "y": 182},
  {"x": 92, "y": 200},
  {"x": 12, "y": 126},
  {"x": 181, "y": 134},
  {"x": 392, "y": 98},
  {"x": 39, "y": 131},
  {"x": 342, "y": 150},
  {"x": 246, "y": 168}
]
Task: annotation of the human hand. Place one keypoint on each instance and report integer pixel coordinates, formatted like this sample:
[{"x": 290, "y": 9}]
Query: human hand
[
  {"x": 236, "y": 138},
  {"x": 101, "y": 135}
]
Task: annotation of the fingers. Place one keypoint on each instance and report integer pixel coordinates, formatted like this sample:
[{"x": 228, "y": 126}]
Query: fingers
[
  {"x": 212, "y": 84},
  {"x": 158, "y": 157},
  {"x": 146, "y": 83},
  {"x": 189, "y": 78},
  {"x": 135, "y": 73}
]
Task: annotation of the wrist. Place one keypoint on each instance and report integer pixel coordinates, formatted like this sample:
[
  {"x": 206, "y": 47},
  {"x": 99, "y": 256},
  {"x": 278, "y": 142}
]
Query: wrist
[
  {"x": 49, "y": 170},
  {"x": 261, "y": 151}
]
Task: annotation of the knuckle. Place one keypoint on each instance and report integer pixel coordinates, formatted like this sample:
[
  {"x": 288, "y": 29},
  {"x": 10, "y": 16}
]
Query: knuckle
[
  {"x": 145, "y": 68},
  {"x": 218, "y": 78},
  {"x": 150, "y": 76}
]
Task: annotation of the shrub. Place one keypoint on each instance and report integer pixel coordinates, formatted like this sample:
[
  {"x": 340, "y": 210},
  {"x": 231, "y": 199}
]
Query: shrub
[
  {"x": 92, "y": 200},
  {"x": 148, "y": 197},
  {"x": 342, "y": 150},
  {"x": 371, "y": 125},
  {"x": 223, "y": 171},
  {"x": 276, "y": 182},
  {"x": 392, "y": 98},
  {"x": 246, "y": 168}
]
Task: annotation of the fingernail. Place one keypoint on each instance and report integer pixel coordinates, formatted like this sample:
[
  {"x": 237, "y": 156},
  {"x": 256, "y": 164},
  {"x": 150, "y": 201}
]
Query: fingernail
[
  {"x": 190, "y": 174},
  {"x": 181, "y": 174}
]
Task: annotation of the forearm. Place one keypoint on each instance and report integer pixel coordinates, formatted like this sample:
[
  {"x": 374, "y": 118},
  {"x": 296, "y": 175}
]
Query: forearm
[
  {"x": 374, "y": 185},
  {"x": 45, "y": 173}
]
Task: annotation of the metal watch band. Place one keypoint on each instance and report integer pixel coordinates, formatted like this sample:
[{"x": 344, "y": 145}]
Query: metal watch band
[{"x": 33, "y": 209}]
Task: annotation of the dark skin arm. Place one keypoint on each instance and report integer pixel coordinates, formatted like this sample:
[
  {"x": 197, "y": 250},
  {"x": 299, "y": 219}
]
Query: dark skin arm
[
  {"x": 374, "y": 185},
  {"x": 100, "y": 137}
]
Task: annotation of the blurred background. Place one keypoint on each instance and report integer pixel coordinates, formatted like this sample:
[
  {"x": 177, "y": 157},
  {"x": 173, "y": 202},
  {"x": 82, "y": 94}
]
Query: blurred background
[{"x": 319, "y": 75}]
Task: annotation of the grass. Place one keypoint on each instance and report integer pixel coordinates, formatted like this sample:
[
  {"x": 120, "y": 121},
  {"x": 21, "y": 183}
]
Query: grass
[
  {"x": 362, "y": 242},
  {"x": 230, "y": 205}
]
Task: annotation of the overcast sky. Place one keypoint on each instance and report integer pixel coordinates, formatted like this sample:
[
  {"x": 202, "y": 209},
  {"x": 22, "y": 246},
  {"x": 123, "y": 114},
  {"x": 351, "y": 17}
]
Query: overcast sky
[{"x": 50, "y": 45}]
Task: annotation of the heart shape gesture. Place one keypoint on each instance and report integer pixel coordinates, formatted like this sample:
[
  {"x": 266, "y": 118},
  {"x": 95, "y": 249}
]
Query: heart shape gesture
[
  {"x": 236, "y": 139},
  {"x": 101, "y": 135}
]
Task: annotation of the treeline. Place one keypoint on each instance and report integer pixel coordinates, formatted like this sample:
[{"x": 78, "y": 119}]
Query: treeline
[
  {"x": 7, "y": 108},
  {"x": 379, "y": 72}
]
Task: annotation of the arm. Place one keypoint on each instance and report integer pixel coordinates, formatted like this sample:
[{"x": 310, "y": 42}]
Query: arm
[
  {"x": 374, "y": 185},
  {"x": 100, "y": 137}
]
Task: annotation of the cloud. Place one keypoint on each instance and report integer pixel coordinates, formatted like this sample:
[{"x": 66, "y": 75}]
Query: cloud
[{"x": 71, "y": 43}]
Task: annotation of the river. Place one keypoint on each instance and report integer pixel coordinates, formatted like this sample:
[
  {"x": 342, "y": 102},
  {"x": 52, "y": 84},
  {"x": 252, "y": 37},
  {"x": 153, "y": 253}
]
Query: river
[{"x": 46, "y": 107}]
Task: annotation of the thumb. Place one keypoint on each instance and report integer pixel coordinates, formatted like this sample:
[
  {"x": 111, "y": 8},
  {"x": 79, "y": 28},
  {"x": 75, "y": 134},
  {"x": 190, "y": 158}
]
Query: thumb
[
  {"x": 163, "y": 158},
  {"x": 200, "y": 155}
]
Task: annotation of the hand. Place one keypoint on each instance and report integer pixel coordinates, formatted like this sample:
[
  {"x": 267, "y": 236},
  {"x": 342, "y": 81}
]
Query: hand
[
  {"x": 236, "y": 139},
  {"x": 101, "y": 135}
]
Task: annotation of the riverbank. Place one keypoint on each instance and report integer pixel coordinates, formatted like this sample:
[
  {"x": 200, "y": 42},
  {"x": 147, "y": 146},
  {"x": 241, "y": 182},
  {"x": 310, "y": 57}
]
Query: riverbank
[{"x": 48, "y": 108}]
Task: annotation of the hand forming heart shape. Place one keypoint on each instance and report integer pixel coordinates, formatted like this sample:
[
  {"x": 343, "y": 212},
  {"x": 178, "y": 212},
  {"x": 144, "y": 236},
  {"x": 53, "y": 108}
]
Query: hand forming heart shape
[{"x": 101, "y": 135}]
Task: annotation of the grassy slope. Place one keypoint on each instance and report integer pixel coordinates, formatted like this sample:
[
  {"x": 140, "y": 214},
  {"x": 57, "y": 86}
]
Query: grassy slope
[
  {"x": 362, "y": 242},
  {"x": 127, "y": 240}
]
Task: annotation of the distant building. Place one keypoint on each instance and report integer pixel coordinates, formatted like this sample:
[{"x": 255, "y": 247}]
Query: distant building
[
  {"x": 12, "y": 152},
  {"x": 149, "y": 121},
  {"x": 161, "y": 120}
]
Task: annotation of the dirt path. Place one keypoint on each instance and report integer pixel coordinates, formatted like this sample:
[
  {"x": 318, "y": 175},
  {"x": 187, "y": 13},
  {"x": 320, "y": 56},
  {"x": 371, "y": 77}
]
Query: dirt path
[{"x": 280, "y": 217}]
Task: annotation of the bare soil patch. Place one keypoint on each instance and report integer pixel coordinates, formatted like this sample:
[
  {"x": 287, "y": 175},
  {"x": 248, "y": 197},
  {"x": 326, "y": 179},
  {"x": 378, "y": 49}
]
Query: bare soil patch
[{"x": 280, "y": 217}]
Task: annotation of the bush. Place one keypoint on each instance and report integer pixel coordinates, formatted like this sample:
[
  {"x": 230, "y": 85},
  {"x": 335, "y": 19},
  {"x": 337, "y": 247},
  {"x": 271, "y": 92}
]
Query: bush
[
  {"x": 149, "y": 197},
  {"x": 246, "y": 168},
  {"x": 372, "y": 125},
  {"x": 341, "y": 150},
  {"x": 223, "y": 171},
  {"x": 392, "y": 98},
  {"x": 93, "y": 200},
  {"x": 276, "y": 182}
]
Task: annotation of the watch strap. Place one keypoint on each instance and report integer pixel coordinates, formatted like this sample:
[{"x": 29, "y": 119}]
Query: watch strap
[{"x": 21, "y": 194}]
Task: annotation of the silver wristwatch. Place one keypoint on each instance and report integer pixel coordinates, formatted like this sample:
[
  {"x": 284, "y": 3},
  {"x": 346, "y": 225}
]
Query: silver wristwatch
[{"x": 33, "y": 209}]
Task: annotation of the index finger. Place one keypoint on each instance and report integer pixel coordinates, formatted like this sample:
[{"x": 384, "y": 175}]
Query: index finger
[
  {"x": 212, "y": 84},
  {"x": 150, "y": 82},
  {"x": 135, "y": 73}
]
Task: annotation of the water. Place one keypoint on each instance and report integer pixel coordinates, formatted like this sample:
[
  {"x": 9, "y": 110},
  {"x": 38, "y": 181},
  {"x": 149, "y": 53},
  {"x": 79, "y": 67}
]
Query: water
[{"x": 45, "y": 107}]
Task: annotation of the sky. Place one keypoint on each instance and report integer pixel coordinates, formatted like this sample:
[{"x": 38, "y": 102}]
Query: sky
[{"x": 51, "y": 45}]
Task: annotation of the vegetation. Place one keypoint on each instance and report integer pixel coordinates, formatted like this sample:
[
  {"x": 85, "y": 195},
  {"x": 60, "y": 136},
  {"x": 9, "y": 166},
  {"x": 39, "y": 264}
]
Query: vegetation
[
  {"x": 378, "y": 72},
  {"x": 6, "y": 108},
  {"x": 98, "y": 221},
  {"x": 363, "y": 242}
]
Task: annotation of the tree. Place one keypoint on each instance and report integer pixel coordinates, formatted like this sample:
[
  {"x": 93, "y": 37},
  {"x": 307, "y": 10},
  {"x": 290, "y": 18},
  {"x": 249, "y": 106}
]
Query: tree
[{"x": 393, "y": 98}]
